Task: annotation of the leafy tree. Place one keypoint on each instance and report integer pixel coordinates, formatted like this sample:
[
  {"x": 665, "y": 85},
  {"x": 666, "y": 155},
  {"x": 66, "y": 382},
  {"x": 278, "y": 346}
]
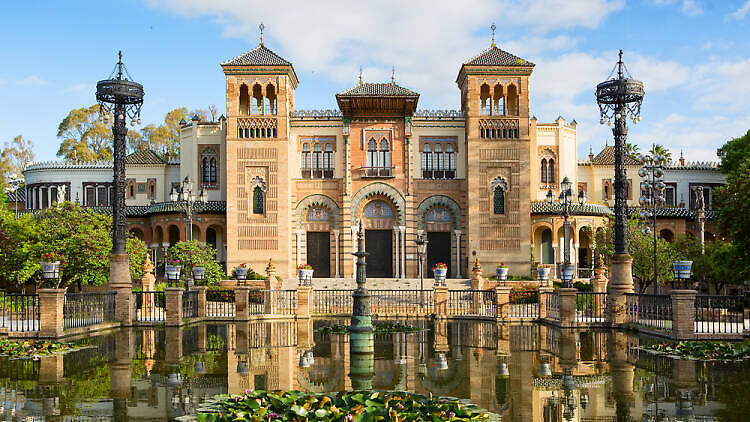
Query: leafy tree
[
  {"x": 85, "y": 137},
  {"x": 18, "y": 261},
  {"x": 734, "y": 153},
  {"x": 13, "y": 158},
  {"x": 658, "y": 149},
  {"x": 641, "y": 249},
  {"x": 137, "y": 251},
  {"x": 732, "y": 201},
  {"x": 200, "y": 254}
]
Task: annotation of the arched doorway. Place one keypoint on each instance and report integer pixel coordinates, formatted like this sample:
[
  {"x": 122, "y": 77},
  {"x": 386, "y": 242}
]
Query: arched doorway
[
  {"x": 379, "y": 219},
  {"x": 438, "y": 224},
  {"x": 138, "y": 233},
  {"x": 667, "y": 235},
  {"x": 319, "y": 241},
  {"x": 548, "y": 252},
  {"x": 174, "y": 234}
]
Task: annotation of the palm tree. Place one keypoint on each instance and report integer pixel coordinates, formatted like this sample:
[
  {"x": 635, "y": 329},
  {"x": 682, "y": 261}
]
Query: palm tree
[
  {"x": 658, "y": 149},
  {"x": 631, "y": 149}
]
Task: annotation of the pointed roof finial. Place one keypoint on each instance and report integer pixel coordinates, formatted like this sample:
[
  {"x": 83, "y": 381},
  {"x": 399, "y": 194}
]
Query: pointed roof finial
[
  {"x": 360, "y": 75},
  {"x": 119, "y": 64},
  {"x": 393, "y": 75},
  {"x": 261, "y": 27},
  {"x": 493, "y": 28}
]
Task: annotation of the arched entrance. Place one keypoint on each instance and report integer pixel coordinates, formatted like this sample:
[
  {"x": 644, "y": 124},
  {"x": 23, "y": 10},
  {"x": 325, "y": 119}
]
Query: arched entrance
[
  {"x": 548, "y": 252},
  {"x": 319, "y": 241},
  {"x": 174, "y": 234},
  {"x": 439, "y": 217},
  {"x": 379, "y": 218},
  {"x": 317, "y": 235}
]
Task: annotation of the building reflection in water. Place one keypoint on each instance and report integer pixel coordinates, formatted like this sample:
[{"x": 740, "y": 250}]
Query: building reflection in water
[{"x": 522, "y": 372}]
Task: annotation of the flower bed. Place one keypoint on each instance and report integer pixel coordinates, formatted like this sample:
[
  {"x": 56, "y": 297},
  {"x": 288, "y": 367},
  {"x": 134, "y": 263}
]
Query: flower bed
[
  {"x": 702, "y": 350},
  {"x": 339, "y": 407},
  {"x": 33, "y": 348}
]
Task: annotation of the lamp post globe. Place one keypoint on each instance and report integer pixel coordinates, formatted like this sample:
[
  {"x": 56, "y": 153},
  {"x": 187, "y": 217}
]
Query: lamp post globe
[{"x": 121, "y": 97}]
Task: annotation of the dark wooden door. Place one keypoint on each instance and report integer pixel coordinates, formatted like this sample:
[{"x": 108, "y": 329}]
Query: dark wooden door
[
  {"x": 438, "y": 250},
  {"x": 319, "y": 253},
  {"x": 378, "y": 244}
]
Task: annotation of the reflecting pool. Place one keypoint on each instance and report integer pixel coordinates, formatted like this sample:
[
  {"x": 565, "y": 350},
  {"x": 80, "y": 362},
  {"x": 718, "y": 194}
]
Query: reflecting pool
[{"x": 525, "y": 372}]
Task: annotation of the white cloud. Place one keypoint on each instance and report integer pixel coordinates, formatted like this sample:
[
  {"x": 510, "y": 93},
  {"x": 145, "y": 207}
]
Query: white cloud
[
  {"x": 722, "y": 85},
  {"x": 81, "y": 88},
  {"x": 31, "y": 80},
  {"x": 691, "y": 8},
  {"x": 741, "y": 12}
]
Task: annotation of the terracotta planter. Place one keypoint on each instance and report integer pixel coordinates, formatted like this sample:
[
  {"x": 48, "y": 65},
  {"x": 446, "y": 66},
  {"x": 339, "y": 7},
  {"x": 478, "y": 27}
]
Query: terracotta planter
[{"x": 502, "y": 273}]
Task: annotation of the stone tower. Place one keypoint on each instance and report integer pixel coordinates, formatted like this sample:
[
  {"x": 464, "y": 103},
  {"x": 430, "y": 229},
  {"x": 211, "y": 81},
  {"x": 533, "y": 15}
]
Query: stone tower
[
  {"x": 260, "y": 98},
  {"x": 494, "y": 90}
]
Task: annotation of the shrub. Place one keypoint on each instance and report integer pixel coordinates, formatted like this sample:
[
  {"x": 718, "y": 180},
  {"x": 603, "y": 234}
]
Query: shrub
[
  {"x": 197, "y": 253},
  {"x": 136, "y": 250}
]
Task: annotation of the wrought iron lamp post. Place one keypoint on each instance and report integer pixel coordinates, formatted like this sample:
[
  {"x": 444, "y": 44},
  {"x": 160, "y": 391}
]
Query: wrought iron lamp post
[
  {"x": 620, "y": 97},
  {"x": 188, "y": 203},
  {"x": 652, "y": 195},
  {"x": 120, "y": 99},
  {"x": 421, "y": 249},
  {"x": 566, "y": 200}
]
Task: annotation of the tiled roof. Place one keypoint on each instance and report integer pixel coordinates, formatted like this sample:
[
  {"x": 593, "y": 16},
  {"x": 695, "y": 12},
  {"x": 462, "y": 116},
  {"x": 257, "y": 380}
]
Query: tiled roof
[
  {"x": 211, "y": 207},
  {"x": 378, "y": 90},
  {"x": 607, "y": 158},
  {"x": 144, "y": 157},
  {"x": 694, "y": 165},
  {"x": 494, "y": 56},
  {"x": 676, "y": 212},
  {"x": 65, "y": 164},
  {"x": 259, "y": 56},
  {"x": 544, "y": 207}
]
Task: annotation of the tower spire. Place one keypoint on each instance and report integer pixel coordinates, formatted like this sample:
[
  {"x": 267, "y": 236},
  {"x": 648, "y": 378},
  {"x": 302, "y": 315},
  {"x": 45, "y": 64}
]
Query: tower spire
[
  {"x": 261, "y": 27},
  {"x": 393, "y": 75},
  {"x": 360, "y": 75},
  {"x": 493, "y": 28}
]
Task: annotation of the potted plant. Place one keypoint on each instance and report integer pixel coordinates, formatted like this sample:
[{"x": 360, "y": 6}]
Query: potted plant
[
  {"x": 241, "y": 271},
  {"x": 543, "y": 271},
  {"x": 173, "y": 269},
  {"x": 440, "y": 270},
  {"x": 682, "y": 269},
  {"x": 304, "y": 274},
  {"x": 502, "y": 272},
  {"x": 51, "y": 262},
  {"x": 566, "y": 271},
  {"x": 199, "y": 272}
]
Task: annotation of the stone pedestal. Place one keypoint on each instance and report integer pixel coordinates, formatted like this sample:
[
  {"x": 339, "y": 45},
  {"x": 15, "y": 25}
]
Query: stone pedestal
[
  {"x": 567, "y": 306},
  {"x": 304, "y": 302},
  {"x": 621, "y": 282},
  {"x": 241, "y": 303},
  {"x": 683, "y": 314},
  {"x": 271, "y": 286},
  {"x": 543, "y": 292},
  {"x": 202, "y": 290},
  {"x": 173, "y": 296},
  {"x": 502, "y": 297},
  {"x": 120, "y": 282},
  {"x": 440, "y": 296},
  {"x": 51, "y": 312}
]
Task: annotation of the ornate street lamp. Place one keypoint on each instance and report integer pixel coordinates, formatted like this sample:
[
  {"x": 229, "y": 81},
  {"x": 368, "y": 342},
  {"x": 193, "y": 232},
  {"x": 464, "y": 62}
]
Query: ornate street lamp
[
  {"x": 566, "y": 200},
  {"x": 421, "y": 252},
  {"x": 652, "y": 195},
  {"x": 188, "y": 203},
  {"x": 620, "y": 97},
  {"x": 120, "y": 99}
]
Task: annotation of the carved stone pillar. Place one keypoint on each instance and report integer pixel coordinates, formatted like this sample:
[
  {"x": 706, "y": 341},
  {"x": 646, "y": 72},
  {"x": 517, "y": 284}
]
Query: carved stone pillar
[
  {"x": 336, "y": 235},
  {"x": 458, "y": 253},
  {"x": 298, "y": 244},
  {"x": 403, "y": 251},
  {"x": 397, "y": 232}
]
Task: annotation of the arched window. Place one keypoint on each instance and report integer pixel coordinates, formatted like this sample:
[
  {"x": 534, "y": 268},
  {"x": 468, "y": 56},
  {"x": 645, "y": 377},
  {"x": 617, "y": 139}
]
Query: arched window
[
  {"x": 498, "y": 102},
  {"x": 543, "y": 175},
  {"x": 498, "y": 201},
  {"x": 244, "y": 101},
  {"x": 439, "y": 163},
  {"x": 450, "y": 162},
  {"x": 512, "y": 100},
  {"x": 328, "y": 161},
  {"x": 317, "y": 160},
  {"x": 551, "y": 172},
  {"x": 427, "y": 161},
  {"x": 372, "y": 153},
  {"x": 270, "y": 99},
  {"x": 385, "y": 154},
  {"x": 212, "y": 170},
  {"x": 257, "y": 99},
  {"x": 257, "y": 200},
  {"x": 209, "y": 168},
  {"x": 485, "y": 106},
  {"x": 306, "y": 171}
]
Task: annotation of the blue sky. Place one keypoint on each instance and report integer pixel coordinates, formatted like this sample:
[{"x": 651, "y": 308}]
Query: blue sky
[{"x": 693, "y": 55}]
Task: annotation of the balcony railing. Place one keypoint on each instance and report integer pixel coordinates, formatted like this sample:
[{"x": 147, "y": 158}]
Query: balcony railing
[
  {"x": 317, "y": 173},
  {"x": 439, "y": 174},
  {"x": 373, "y": 172}
]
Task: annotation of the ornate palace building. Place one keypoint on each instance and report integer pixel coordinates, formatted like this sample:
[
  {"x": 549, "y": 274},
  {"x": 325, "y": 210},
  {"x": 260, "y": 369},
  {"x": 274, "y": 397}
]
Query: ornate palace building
[{"x": 294, "y": 185}]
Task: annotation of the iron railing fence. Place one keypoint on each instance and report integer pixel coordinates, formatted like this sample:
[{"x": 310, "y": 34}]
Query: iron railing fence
[
  {"x": 481, "y": 303},
  {"x": 401, "y": 302},
  {"x": 524, "y": 303},
  {"x": 220, "y": 303},
  {"x": 552, "y": 303},
  {"x": 583, "y": 272},
  {"x": 256, "y": 304},
  {"x": 649, "y": 310},
  {"x": 286, "y": 302},
  {"x": 720, "y": 314},
  {"x": 20, "y": 312},
  {"x": 591, "y": 307},
  {"x": 190, "y": 304},
  {"x": 88, "y": 308},
  {"x": 332, "y": 302},
  {"x": 150, "y": 306}
]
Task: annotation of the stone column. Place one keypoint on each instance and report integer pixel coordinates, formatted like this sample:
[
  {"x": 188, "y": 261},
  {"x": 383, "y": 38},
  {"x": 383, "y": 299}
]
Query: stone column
[
  {"x": 543, "y": 292},
  {"x": 336, "y": 235},
  {"x": 555, "y": 248},
  {"x": 397, "y": 232},
  {"x": 458, "y": 253},
  {"x": 173, "y": 296},
  {"x": 51, "y": 312},
  {"x": 502, "y": 297},
  {"x": 567, "y": 306},
  {"x": 683, "y": 314},
  {"x": 119, "y": 281},
  {"x": 354, "y": 250},
  {"x": 202, "y": 290},
  {"x": 403, "y": 251},
  {"x": 242, "y": 303},
  {"x": 440, "y": 296},
  {"x": 298, "y": 239},
  {"x": 621, "y": 282},
  {"x": 304, "y": 302}
]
